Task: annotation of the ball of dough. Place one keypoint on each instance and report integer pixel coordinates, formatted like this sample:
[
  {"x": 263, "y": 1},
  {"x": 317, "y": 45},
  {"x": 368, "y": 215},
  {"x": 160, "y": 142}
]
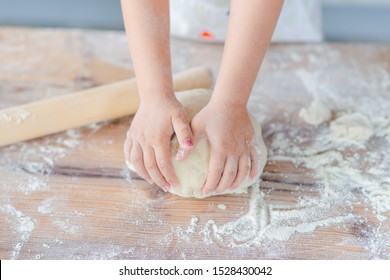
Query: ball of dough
[{"x": 192, "y": 171}]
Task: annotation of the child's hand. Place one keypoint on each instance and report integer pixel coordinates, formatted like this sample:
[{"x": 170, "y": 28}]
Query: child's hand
[
  {"x": 232, "y": 145},
  {"x": 148, "y": 140}
]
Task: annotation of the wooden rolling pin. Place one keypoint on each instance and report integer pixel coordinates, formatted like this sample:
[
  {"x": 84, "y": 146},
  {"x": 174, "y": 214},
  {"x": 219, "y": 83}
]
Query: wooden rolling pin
[{"x": 84, "y": 107}]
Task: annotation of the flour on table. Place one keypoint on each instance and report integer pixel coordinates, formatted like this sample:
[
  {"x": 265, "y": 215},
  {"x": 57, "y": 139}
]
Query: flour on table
[
  {"x": 23, "y": 226},
  {"x": 354, "y": 127},
  {"x": 248, "y": 226},
  {"x": 66, "y": 227},
  {"x": 182, "y": 235},
  {"x": 222, "y": 206},
  {"x": 33, "y": 184},
  {"x": 316, "y": 113},
  {"x": 46, "y": 207}
]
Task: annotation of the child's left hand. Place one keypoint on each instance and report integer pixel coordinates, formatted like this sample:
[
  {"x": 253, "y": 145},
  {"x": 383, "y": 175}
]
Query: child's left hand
[{"x": 232, "y": 145}]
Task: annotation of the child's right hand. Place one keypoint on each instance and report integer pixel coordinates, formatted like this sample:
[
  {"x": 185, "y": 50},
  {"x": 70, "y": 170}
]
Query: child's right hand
[{"x": 148, "y": 140}]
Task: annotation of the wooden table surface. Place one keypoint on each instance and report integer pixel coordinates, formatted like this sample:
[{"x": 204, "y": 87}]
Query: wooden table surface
[{"x": 70, "y": 195}]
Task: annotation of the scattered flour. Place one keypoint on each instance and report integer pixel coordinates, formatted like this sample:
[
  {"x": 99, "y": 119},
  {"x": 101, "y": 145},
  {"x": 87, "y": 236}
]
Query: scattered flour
[
  {"x": 248, "y": 226},
  {"x": 38, "y": 157},
  {"x": 181, "y": 234},
  {"x": 347, "y": 155},
  {"x": 46, "y": 207},
  {"x": 222, "y": 206},
  {"x": 33, "y": 184},
  {"x": 354, "y": 127},
  {"x": 281, "y": 232},
  {"x": 66, "y": 226},
  {"x": 317, "y": 113},
  {"x": 36, "y": 162},
  {"x": 22, "y": 224},
  {"x": 16, "y": 117}
]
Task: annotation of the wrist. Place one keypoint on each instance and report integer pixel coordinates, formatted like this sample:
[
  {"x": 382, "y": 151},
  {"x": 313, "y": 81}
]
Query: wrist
[
  {"x": 156, "y": 94},
  {"x": 235, "y": 102},
  {"x": 155, "y": 85},
  {"x": 157, "y": 99}
]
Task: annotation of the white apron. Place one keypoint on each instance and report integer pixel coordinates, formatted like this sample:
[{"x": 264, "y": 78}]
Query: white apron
[{"x": 206, "y": 20}]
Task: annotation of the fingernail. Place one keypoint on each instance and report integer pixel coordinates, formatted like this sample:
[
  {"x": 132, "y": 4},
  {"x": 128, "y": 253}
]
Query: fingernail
[{"x": 189, "y": 142}]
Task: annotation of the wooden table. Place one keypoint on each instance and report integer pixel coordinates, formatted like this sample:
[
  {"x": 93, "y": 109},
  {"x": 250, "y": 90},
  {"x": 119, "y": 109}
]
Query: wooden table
[{"x": 70, "y": 195}]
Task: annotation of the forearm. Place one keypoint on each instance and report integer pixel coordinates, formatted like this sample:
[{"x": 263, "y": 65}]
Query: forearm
[
  {"x": 251, "y": 26},
  {"x": 147, "y": 28}
]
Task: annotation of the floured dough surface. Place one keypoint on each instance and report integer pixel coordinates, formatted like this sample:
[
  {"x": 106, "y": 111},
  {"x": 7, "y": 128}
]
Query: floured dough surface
[
  {"x": 354, "y": 127},
  {"x": 316, "y": 114},
  {"x": 192, "y": 171}
]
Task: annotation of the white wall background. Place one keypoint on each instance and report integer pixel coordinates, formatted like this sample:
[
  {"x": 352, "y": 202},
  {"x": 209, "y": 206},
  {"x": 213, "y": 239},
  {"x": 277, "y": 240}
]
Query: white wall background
[{"x": 356, "y": 20}]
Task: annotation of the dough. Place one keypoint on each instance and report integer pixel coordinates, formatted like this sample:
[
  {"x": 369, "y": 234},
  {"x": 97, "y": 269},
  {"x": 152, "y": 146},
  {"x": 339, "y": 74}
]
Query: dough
[
  {"x": 316, "y": 114},
  {"x": 354, "y": 127},
  {"x": 192, "y": 172}
]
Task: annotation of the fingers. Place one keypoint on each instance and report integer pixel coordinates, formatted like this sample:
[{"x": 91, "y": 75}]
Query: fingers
[
  {"x": 136, "y": 158},
  {"x": 197, "y": 133},
  {"x": 127, "y": 148},
  {"x": 216, "y": 168},
  {"x": 243, "y": 171},
  {"x": 148, "y": 140},
  {"x": 164, "y": 163},
  {"x": 181, "y": 126},
  {"x": 255, "y": 159},
  {"x": 230, "y": 172},
  {"x": 228, "y": 175},
  {"x": 153, "y": 165},
  {"x": 153, "y": 169}
]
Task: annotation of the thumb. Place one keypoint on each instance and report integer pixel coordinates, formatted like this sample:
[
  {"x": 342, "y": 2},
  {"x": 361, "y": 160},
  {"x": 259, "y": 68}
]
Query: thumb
[
  {"x": 181, "y": 127},
  {"x": 197, "y": 133}
]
